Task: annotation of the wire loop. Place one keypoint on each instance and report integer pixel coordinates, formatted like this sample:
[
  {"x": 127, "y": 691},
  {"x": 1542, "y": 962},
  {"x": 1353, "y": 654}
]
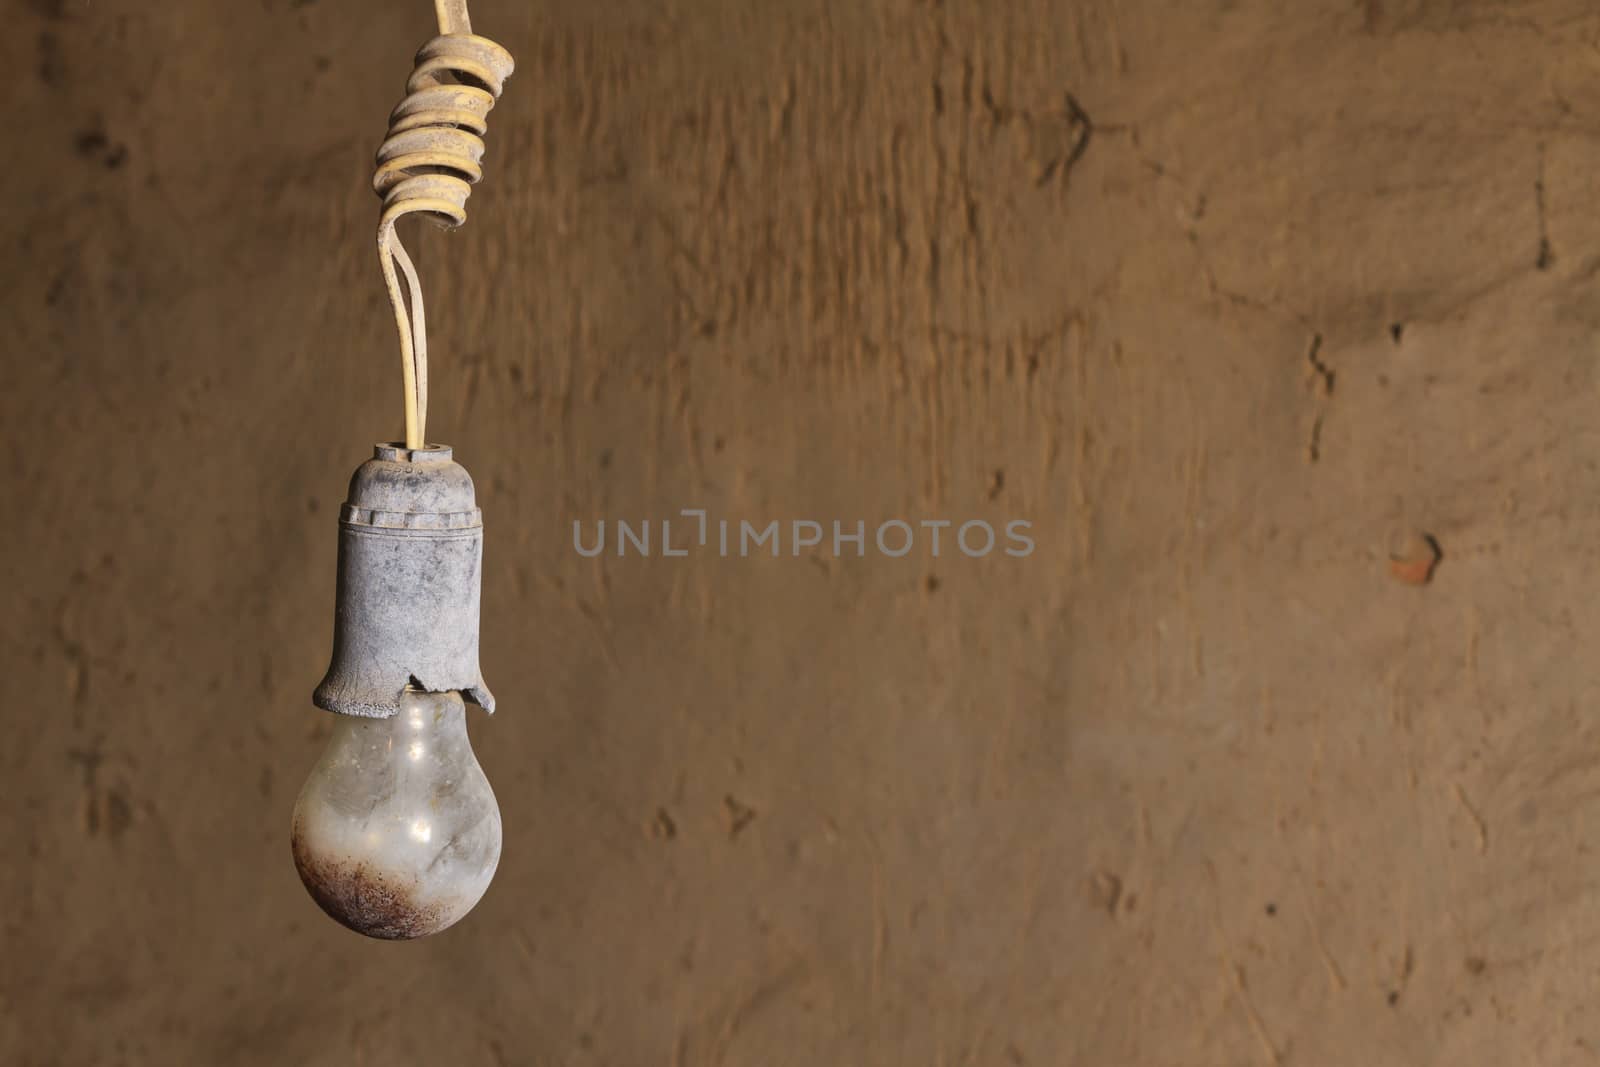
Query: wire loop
[{"x": 427, "y": 165}]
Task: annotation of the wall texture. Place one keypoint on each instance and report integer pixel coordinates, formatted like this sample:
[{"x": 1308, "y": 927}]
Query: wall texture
[{"x": 1239, "y": 302}]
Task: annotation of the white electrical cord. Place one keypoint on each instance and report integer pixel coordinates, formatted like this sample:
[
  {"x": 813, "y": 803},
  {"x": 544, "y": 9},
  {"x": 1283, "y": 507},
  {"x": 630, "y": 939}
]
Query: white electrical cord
[{"x": 428, "y": 164}]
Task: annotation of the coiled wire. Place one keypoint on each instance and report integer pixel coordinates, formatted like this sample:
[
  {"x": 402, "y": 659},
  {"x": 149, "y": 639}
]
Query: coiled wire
[{"x": 427, "y": 165}]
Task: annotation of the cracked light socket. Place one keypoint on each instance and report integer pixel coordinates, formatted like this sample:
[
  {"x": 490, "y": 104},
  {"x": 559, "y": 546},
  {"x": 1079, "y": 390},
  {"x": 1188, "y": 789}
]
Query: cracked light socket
[{"x": 410, "y": 580}]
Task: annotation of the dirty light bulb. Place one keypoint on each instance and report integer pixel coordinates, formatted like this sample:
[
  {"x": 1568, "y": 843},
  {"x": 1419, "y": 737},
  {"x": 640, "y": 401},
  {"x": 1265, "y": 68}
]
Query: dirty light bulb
[{"x": 397, "y": 833}]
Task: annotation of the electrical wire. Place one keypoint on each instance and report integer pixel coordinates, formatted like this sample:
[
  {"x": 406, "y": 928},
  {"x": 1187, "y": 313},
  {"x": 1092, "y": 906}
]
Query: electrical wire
[
  {"x": 427, "y": 165},
  {"x": 453, "y": 17}
]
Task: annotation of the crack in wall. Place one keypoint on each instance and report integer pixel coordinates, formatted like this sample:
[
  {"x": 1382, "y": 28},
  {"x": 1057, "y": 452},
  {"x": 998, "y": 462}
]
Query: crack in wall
[{"x": 1546, "y": 256}]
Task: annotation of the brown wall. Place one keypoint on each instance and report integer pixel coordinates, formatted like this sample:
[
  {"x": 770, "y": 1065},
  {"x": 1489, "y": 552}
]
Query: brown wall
[{"x": 1233, "y": 300}]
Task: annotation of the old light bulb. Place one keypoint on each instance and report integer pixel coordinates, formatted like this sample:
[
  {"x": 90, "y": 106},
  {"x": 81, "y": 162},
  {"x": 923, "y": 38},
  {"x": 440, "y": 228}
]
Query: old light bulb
[{"x": 396, "y": 833}]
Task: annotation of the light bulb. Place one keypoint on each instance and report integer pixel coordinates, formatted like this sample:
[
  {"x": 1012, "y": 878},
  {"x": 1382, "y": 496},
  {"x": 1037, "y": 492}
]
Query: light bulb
[{"x": 397, "y": 833}]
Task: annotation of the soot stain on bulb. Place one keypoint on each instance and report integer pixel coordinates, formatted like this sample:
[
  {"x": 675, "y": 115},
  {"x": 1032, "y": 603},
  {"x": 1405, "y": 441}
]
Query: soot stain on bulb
[
  {"x": 368, "y": 901},
  {"x": 396, "y": 833}
]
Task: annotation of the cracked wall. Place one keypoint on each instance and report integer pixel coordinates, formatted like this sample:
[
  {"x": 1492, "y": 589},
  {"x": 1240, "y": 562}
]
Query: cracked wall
[{"x": 1279, "y": 326}]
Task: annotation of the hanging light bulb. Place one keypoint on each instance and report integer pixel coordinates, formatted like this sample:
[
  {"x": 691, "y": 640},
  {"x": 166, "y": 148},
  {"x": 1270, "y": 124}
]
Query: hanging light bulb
[{"x": 396, "y": 833}]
